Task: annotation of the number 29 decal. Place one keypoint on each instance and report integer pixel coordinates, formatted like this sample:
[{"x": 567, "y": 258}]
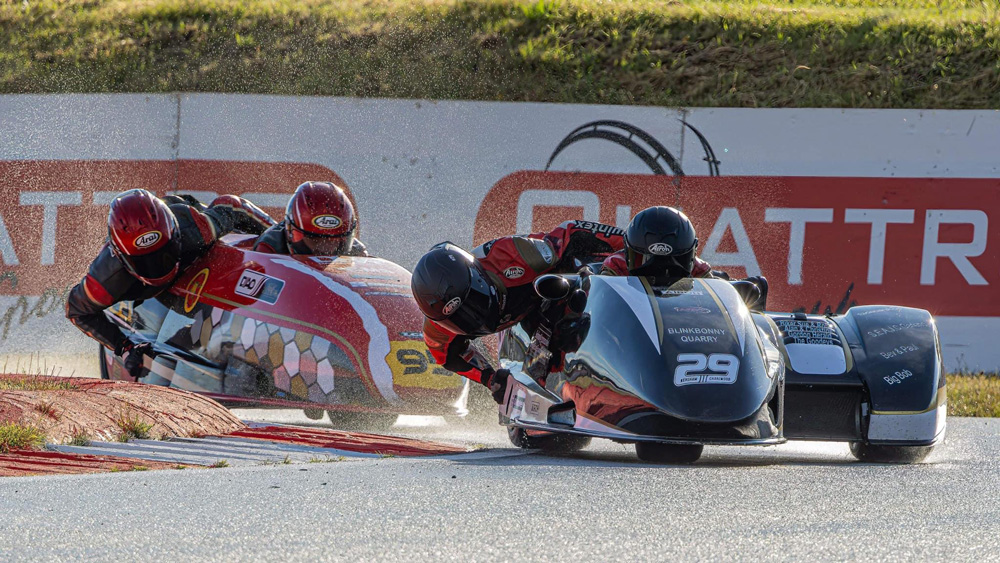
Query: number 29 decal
[{"x": 699, "y": 369}]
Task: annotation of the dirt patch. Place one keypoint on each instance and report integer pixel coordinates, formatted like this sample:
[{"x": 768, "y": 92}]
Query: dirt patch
[{"x": 104, "y": 410}]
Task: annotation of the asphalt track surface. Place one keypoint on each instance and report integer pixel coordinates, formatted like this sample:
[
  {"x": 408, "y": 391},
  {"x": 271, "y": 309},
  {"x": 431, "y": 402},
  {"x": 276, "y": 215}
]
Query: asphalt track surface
[{"x": 793, "y": 502}]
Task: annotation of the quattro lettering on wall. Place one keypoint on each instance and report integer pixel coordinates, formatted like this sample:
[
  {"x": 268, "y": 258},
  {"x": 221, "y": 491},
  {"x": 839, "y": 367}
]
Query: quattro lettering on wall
[
  {"x": 821, "y": 242},
  {"x": 53, "y": 214}
]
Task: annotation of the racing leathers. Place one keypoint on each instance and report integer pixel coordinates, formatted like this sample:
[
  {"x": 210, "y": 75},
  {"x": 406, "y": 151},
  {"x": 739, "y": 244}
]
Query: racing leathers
[
  {"x": 513, "y": 263},
  {"x": 108, "y": 282},
  {"x": 275, "y": 241}
]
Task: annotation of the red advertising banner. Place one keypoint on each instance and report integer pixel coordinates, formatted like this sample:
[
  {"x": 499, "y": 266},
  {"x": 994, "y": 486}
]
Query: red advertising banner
[
  {"x": 53, "y": 214},
  {"x": 824, "y": 243}
]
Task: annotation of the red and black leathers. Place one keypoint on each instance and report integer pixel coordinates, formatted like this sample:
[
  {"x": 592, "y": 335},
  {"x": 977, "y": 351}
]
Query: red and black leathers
[
  {"x": 513, "y": 263},
  {"x": 108, "y": 282},
  {"x": 275, "y": 241}
]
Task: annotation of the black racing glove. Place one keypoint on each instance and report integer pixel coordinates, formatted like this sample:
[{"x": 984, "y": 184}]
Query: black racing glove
[
  {"x": 496, "y": 382},
  {"x": 132, "y": 354}
]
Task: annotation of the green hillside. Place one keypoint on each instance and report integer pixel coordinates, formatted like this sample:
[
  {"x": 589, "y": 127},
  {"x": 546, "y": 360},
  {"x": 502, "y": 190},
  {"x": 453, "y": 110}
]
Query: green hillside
[{"x": 791, "y": 53}]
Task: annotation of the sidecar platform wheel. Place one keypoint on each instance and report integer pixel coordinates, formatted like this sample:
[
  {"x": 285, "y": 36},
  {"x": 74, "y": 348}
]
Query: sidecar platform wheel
[
  {"x": 553, "y": 443},
  {"x": 654, "y": 452},
  {"x": 361, "y": 421}
]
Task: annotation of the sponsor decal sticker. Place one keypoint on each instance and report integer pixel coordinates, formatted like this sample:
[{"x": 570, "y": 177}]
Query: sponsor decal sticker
[
  {"x": 326, "y": 222},
  {"x": 452, "y": 306},
  {"x": 250, "y": 283},
  {"x": 898, "y": 377},
  {"x": 271, "y": 290},
  {"x": 517, "y": 408},
  {"x": 696, "y": 334},
  {"x": 535, "y": 406},
  {"x": 147, "y": 239},
  {"x": 194, "y": 289},
  {"x": 660, "y": 249},
  {"x": 598, "y": 228},
  {"x": 892, "y": 328},
  {"x": 413, "y": 366},
  {"x": 687, "y": 338},
  {"x": 513, "y": 272},
  {"x": 259, "y": 287},
  {"x": 874, "y": 311},
  {"x": 899, "y": 351},
  {"x": 681, "y": 292},
  {"x": 699, "y": 310},
  {"x": 695, "y": 330},
  {"x": 699, "y": 369},
  {"x": 809, "y": 332}
]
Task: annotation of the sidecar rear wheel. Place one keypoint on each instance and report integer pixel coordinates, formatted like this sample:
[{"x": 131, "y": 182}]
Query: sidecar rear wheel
[
  {"x": 102, "y": 357},
  {"x": 889, "y": 454}
]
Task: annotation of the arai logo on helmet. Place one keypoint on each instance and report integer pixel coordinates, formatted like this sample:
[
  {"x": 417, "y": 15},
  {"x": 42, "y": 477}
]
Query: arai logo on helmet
[
  {"x": 660, "y": 249},
  {"x": 452, "y": 306},
  {"x": 147, "y": 239},
  {"x": 513, "y": 272},
  {"x": 327, "y": 221}
]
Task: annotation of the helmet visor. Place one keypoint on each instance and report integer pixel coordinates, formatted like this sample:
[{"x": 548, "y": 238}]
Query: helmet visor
[
  {"x": 302, "y": 242},
  {"x": 479, "y": 312},
  {"x": 156, "y": 267},
  {"x": 661, "y": 267}
]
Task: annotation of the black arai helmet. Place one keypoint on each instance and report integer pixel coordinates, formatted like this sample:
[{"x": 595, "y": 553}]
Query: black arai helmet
[
  {"x": 660, "y": 243},
  {"x": 453, "y": 290}
]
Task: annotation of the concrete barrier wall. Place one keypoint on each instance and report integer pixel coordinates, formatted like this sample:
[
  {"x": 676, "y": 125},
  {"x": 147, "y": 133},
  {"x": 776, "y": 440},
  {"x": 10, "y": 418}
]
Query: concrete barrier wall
[{"x": 834, "y": 206}]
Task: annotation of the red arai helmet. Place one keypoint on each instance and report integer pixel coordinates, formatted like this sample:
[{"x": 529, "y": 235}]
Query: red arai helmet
[
  {"x": 144, "y": 236},
  {"x": 320, "y": 220}
]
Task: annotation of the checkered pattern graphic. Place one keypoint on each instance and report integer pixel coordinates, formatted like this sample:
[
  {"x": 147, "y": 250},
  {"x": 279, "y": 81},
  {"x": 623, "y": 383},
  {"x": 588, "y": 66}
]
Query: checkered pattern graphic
[{"x": 303, "y": 366}]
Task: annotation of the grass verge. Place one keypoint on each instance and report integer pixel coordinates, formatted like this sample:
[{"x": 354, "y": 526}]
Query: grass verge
[
  {"x": 32, "y": 383},
  {"x": 14, "y": 436},
  {"x": 767, "y": 53},
  {"x": 974, "y": 395}
]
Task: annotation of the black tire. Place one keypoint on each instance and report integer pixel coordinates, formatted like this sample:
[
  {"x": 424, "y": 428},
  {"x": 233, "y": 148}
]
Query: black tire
[
  {"x": 361, "y": 421},
  {"x": 655, "y": 452},
  {"x": 889, "y": 454},
  {"x": 553, "y": 443},
  {"x": 104, "y": 362},
  {"x": 313, "y": 414}
]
